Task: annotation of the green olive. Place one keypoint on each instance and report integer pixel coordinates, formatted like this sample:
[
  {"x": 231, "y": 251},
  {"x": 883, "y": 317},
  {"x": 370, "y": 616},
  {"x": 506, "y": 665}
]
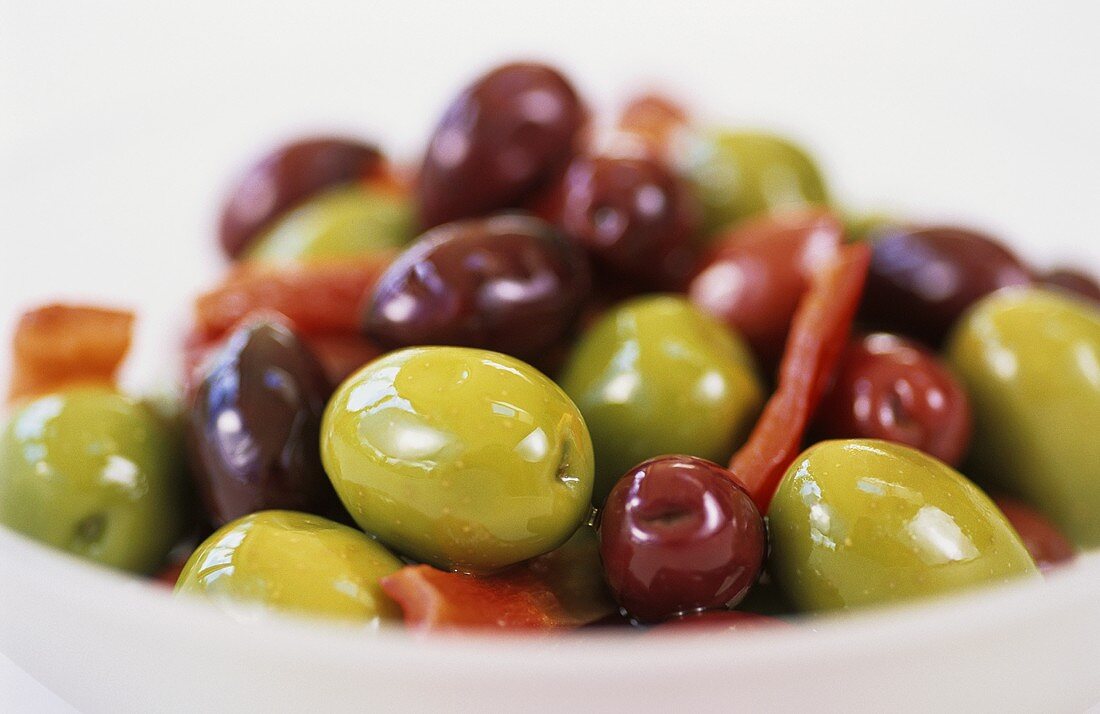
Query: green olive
[
  {"x": 864, "y": 522},
  {"x": 95, "y": 473},
  {"x": 463, "y": 458},
  {"x": 1030, "y": 361},
  {"x": 341, "y": 223},
  {"x": 658, "y": 376},
  {"x": 742, "y": 174},
  {"x": 868, "y": 227},
  {"x": 293, "y": 562}
]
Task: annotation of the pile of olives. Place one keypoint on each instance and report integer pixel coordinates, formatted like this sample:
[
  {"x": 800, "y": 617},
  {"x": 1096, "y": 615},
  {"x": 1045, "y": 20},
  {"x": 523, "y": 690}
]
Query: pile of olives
[{"x": 521, "y": 381}]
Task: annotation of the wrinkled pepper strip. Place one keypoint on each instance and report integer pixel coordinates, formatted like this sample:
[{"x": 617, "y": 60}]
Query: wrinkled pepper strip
[{"x": 818, "y": 334}]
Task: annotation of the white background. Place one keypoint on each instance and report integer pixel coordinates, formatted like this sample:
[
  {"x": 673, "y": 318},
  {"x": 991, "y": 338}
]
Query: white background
[{"x": 121, "y": 123}]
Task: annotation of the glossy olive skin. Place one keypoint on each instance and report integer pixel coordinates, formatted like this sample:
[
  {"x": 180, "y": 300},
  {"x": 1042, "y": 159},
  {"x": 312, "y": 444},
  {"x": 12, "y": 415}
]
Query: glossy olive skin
[
  {"x": 677, "y": 535},
  {"x": 342, "y": 222},
  {"x": 253, "y": 426},
  {"x": 458, "y": 457},
  {"x": 287, "y": 176},
  {"x": 890, "y": 388},
  {"x": 863, "y": 522},
  {"x": 1074, "y": 282},
  {"x": 633, "y": 215},
  {"x": 509, "y": 283},
  {"x": 742, "y": 174},
  {"x": 657, "y": 376},
  {"x": 95, "y": 473},
  {"x": 1030, "y": 360},
  {"x": 755, "y": 275},
  {"x": 922, "y": 279},
  {"x": 499, "y": 141},
  {"x": 283, "y": 561},
  {"x": 1046, "y": 544}
]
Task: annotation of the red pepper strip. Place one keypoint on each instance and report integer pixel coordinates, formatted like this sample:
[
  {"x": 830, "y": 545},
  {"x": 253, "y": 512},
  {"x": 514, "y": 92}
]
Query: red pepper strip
[
  {"x": 818, "y": 334},
  {"x": 563, "y": 589}
]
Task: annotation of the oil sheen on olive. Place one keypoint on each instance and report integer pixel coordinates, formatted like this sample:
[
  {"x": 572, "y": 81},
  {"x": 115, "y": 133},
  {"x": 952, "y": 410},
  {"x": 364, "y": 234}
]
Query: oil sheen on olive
[
  {"x": 287, "y": 176},
  {"x": 921, "y": 280},
  {"x": 864, "y": 522},
  {"x": 458, "y": 457},
  {"x": 1030, "y": 360},
  {"x": 655, "y": 375},
  {"x": 294, "y": 563},
  {"x": 891, "y": 388},
  {"x": 509, "y": 283},
  {"x": 254, "y": 426},
  {"x": 500, "y": 140},
  {"x": 95, "y": 473},
  {"x": 634, "y": 216},
  {"x": 677, "y": 535},
  {"x": 755, "y": 274}
]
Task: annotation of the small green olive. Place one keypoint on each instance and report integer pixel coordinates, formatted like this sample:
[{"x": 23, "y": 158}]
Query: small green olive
[
  {"x": 742, "y": 174},
  {"x": 864, "y": 522},
  {"x": 1030, "y": 361},
  {"x": 95, "y": 473},
  {"x": 343, "y": 222},
  {"x": 463, "y": 458},
  {"x": 293, "y": 562},
  {"x": 658, "y": 376}
]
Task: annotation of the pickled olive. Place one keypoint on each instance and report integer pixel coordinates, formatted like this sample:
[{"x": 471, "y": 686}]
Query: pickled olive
[
  {"x": 498, "y": 142},
  {"x": 343, "y": 222},
  {"x": 1046, "y": 544},
  {"x": 657, "y": 376},
  {"x": 633, "y": 216},
  {"x": 890, "y": 388},
  {"x": 864, "y": 522},
  {"x": 1030, "y": 362},
  {"x": 756, "y": 274},
  {"x": 293, "y": 562},
  {"x": 922, "y": 279},
  {"x": 287, "y": 176},
  {"x": 509, "y": 283},
  {"x": 254, "y": 424},
  {"x": 717, "y": 622},
  {"x": 869, "y": 227},
  {"x": 461, "y": 458},
  {"x": 676, "y": 535},
  {"x": 95, "y": 473},
  {"x": 1073, "y": 282},
  {"x": 741, "y": 174}
]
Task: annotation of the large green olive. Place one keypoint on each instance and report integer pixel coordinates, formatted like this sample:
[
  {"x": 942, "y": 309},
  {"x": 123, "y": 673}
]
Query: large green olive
[
  {"x": 658, "y": 376},
  {"x": 742, "y": 174},
  {"x": 293, "y": 562},
  {"x": 865, "y": 522},
  {"x": 95, "y": 473},
  {"x": 1030, "y": 361},
  {"x": 463, "y": 458},
  {"x": 343, "y": 222}
]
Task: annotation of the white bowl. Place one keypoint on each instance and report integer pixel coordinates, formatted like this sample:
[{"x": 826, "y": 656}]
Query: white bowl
[{"x": 120, "y": 128}]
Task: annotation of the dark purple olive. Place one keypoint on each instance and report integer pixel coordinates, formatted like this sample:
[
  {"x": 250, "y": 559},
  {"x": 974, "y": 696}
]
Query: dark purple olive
[
  {"x": 509, "y": 283},
  {"x": 253, "y": 427},
  {"x": 633, "y": 216},
  {"x": 676, "y": 535},
  {"x": 1074, "y": 282},
  {"x": 287, "y": 176},
  {"x": 921, "y": 280},
  {"x": 498, "y": 142}
]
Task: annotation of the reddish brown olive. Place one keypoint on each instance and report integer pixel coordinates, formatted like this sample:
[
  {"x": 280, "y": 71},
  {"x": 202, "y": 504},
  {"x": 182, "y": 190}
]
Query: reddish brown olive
[
  {"x": 634, "y": 216},
  {"x": 756, "y": 274},
  {"x": 1046, "y": 544},
  {"x": 1074, "y": 282},
  {"x": 921, "y": 280},
  {"x": 509, "y": 283},
  {"x": 498, "y": 142},
  {"x": 677, "y": 535},
  {"x": 891, "y": 388},
  {"x": 287, "y": 176},
  {"x": 717, "y": 622}
]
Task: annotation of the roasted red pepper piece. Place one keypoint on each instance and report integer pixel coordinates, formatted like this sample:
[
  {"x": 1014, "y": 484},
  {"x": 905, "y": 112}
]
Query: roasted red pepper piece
[
  {"x": 563, "y": 589},
  {"x": 58, "y": 345},
  {"x": 818, "y": 335}
]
